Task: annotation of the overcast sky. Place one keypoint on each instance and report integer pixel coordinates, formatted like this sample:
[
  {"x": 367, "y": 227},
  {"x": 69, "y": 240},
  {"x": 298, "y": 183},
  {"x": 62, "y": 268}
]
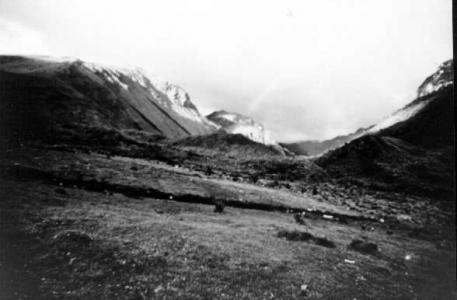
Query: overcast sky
[{"x": 305, "y": 69}]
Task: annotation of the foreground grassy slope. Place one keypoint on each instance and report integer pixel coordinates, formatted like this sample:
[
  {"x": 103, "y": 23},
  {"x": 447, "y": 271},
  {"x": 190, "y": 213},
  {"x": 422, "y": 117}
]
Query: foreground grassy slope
[
  {"x": 79, "y": 244},
  {"x": 89, "y": 245},
  {"x": 103, "y": 237},
  {"x": 143, "y": 178}
]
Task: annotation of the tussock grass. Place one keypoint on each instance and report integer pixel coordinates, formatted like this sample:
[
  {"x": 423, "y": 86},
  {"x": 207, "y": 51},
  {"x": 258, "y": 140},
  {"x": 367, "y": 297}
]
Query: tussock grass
[{"x": 300, "y": 236}]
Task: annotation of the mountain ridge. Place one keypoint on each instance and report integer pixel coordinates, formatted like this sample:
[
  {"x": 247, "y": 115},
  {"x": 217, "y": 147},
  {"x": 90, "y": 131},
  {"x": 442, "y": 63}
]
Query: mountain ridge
[
  {"x": 415, "y": 154},
  {"x": 438, "y": 81},
  {"x": 60, "y": 92}
]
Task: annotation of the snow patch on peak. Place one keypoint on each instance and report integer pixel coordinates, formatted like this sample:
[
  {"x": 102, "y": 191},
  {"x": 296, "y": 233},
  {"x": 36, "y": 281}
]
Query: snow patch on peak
[
  {"x": 239, "y": 124},
  {"x": 229, "y": 117},
  {"x": 442, "y": 78},
  {"x": 168, "y": 95},
  {"x": 110, "y": 73},
  {"x": 56, "y": 59},
  {"x": 255, "y": 133},
  {"x": 176, "y": 94},
  {"x": 180, "y": 100},
  {"x": 399, "y": 116},
  {"x": 95, "y": 67}
]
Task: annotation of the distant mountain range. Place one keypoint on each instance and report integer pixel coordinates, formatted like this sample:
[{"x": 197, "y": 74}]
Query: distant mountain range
[
  {"x": 43, "y": 96},
  {"x": 441, "y": 79},
  {"x": 59, "y": 100}
]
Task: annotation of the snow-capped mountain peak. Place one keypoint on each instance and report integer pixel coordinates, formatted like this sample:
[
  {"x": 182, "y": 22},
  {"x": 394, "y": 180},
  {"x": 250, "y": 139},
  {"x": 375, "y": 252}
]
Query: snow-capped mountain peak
[
  {"x": 110, "y": 97},
  {"x": 169, "y": 95},
  {"x": 442, "y": 78},
  {"x": 176, "y": 94},
  {"x": 398, "y": 116},
  {"x": 239, "y": 124}
]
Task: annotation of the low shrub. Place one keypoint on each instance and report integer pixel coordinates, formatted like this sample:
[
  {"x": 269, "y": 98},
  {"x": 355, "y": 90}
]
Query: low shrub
[{"x": 363, "y": 247}]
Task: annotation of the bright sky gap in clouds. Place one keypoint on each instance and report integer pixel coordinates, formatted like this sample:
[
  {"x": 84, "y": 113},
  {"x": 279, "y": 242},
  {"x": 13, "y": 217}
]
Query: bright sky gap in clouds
[{"x": 306, "y": 69}]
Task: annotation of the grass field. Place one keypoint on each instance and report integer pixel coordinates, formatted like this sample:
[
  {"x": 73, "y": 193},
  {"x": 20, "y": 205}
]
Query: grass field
[{"x": 65, "y": 237}]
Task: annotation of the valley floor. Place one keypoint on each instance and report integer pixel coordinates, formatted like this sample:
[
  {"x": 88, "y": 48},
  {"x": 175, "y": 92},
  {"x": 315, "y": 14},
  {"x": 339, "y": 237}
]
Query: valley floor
[{"x": 85, "y": 226}]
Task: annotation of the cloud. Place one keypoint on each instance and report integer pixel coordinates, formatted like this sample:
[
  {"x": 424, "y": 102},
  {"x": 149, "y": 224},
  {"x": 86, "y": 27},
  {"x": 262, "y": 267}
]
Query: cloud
[
  {"x": 309, "y": 69},
  {"x": 18, "y": 39}
]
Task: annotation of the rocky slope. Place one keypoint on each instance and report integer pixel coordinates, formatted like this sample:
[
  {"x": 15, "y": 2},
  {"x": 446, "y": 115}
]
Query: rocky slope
[
  {"x": 238, "y": 124},
  {"x": 42, "y": 96}
]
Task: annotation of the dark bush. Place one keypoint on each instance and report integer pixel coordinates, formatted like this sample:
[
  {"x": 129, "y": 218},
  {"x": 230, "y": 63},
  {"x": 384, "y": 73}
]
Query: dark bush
[
  {"x": 296, "y": 236},
  {"x": 299, "y": 218},
  {"x": 299, "y": 236},
  {"x": 208, "y": 171},
  {"x": 343, "y": 220},
  {"x": 324, "y": 242},
  {"x": 61, "y": 191},
  {"x": 72, "y": 239},
  {"x": 254, "y": 178},
  {"x": 219, "y": 205},
  {"x": 314, "y": 190},
  {"x": 363, "y": 247}
]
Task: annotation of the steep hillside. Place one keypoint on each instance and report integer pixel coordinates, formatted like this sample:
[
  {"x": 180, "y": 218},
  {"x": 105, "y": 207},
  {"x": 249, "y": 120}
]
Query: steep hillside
[
  {"x": 42, "y": 96},
  {"x": 388, "y": 163},
  {"x": 412, "y": 151},
  {"x": 238, "y": 124},
  {"x": 432, "y": 125}
]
